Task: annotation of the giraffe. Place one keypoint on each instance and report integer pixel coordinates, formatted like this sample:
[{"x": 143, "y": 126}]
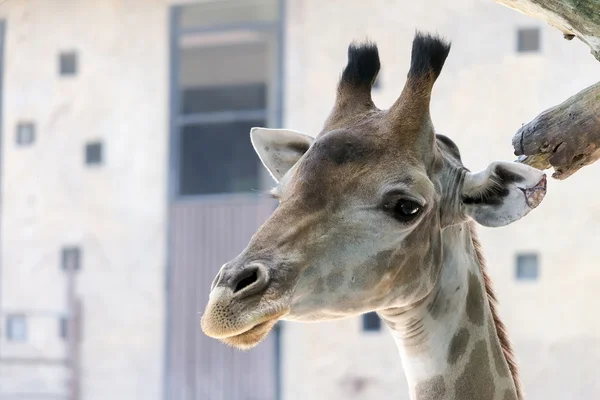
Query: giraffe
[{"x": 377, "y": 213}]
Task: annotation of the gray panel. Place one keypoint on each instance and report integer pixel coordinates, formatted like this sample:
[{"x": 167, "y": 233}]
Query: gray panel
[
  {"x": 206, "y": 233},
  {"x": 229, "y": 12},
  {"x": 25, "y": 133},
  {"x": 67, "y": 63},
  {"x": 224, "y": 64},
  {"x": 528, "y": 40},
  {"x": 527, "y": 266},
  {"x": 93, "y": 153}
]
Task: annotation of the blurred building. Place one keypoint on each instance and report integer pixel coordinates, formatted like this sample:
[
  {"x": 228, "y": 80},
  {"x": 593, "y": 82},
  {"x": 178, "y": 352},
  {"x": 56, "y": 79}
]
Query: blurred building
[{"x": 128, "y": 178}]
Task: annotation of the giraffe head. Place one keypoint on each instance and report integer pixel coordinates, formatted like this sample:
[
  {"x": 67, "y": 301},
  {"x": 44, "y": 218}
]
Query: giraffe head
[{"x": 361, "y": 207}]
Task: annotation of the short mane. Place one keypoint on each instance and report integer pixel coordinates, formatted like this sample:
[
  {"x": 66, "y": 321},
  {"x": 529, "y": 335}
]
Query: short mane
[{"x": 500, "y": 328}]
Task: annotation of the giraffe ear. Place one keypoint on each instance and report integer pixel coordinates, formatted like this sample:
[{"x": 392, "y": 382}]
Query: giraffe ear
[
  {"x": 279, "y": 149},
  {"x": 502, "y": 193}
]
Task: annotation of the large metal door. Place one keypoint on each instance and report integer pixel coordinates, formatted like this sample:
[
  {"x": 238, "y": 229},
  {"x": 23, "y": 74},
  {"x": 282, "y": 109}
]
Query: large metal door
[{"x": 205, "y": 234}]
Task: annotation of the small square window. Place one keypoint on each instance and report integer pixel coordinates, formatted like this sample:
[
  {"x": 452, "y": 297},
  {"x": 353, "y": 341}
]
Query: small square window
[
  {"x": 68, "y": 63},
  {"x": 93, "y": 153},
  {"x": 371, "y": 322},
  {"x": 64, "y": 327},
  {"x": 527, "y": 267},
  {"x": 25, "y": 133},
  {"x": 71, "y": 258},
  {"x": 16, "y": 328},
  {"x": 528, "y": 40}
]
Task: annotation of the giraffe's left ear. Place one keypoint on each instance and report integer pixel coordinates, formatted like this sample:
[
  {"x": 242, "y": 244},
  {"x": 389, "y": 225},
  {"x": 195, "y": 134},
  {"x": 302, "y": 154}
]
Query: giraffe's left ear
[
  {"x": 279, "y": 149},
  {"x": 502, "y": 193}
]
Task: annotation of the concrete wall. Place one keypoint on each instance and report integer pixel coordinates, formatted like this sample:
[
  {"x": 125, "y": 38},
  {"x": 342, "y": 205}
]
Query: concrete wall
[
  {"x": 115, "y": 212},
  {"x": 486, "y": 91}
]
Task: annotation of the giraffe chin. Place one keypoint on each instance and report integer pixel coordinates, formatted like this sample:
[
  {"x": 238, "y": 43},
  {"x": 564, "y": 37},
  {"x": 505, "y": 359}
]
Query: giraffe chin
[{"x": 251, "y": 337}]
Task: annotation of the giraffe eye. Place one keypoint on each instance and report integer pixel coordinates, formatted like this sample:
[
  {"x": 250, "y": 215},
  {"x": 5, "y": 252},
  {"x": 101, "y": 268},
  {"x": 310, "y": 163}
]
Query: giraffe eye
[{"x": 405, "y": 210}]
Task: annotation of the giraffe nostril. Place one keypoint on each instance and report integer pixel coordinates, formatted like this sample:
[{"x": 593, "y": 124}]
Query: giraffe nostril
[
  {"x": 250, "y": 280},
  {"x": 247, "y": 281}
]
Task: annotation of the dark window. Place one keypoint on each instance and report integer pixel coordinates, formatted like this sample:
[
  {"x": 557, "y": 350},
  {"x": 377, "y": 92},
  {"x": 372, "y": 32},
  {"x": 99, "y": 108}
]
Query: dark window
[
  {"x": 16, "y": 328},
  {"x": 64, "y": 327},
  {"x": 527, "y": 267},
  {"x": 218, "y": 158},
  {"x": 371, "y": 322},
  {"x": 68, "y": 63},
  {"x": 25, "y": 133},
  {"x": 71, "y": 258},
  {"x": 240, "y": 97},
  {"x": 224, "y": 83},
  {"x": 528, "y": 40},
  {"x": 93, "y": 153}
]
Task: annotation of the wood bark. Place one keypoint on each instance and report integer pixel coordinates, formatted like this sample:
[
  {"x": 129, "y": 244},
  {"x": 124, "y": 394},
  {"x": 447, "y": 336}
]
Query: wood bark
[
  {"x": 574, "y": 18},
  {"x": 565, "y": 137}
]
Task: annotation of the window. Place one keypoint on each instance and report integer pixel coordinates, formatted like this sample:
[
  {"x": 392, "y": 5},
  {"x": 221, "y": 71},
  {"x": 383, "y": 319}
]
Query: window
[
  {"x": 25, "y": 133},
  {"x": 67, "y": 64},
  {"x": 205, "y": 147},
  {"x": 16, "y": 328},
  {"x": 93, "y": 153},
  {"x": 527, "y": 267},
  {"x": 371, "y": 322},
  {"x": 225, "y": 84},
  {"x": 528, "y": 40},
  {"x": 63, "y": 328},
  {"x": 70, "y": 259},
  {"x": 229, "y": 12}
]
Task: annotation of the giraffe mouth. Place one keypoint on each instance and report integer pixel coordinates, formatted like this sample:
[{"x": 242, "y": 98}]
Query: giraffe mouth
[
  {"x": 252, "y": 336},
  {"x": 242, "y": 327}
]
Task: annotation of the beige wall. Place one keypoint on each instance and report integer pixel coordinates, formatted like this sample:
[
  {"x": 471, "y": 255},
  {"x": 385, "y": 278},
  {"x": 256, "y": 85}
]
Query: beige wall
[
  {"x": 115, "y": 212},
  {"x": 486, "y": 91}
]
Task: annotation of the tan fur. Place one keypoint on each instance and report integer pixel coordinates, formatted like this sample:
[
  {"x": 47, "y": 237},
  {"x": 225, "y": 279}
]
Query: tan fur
[{"x": 500, "y": 328}]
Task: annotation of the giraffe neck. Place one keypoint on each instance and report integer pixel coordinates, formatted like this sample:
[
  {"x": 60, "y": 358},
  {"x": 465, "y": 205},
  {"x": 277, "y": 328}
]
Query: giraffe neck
[{"x": 448, "y": 343}]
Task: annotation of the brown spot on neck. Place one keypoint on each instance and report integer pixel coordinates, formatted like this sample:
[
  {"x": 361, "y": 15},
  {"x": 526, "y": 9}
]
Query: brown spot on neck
[
  {"x": 507, "y": 350},
  {"x": 476, "y": 382},
  {"x": 458, "y": 346},
  {"x": 431, "y": 389},
  {"x": 509, "y": 395},
  {"x": 475, "y": 301}
]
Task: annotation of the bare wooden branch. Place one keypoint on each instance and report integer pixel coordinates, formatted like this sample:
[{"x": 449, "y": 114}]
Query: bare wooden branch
[
  {"x": 580, "y": 18},
  {"x": 566, "y": 137}
]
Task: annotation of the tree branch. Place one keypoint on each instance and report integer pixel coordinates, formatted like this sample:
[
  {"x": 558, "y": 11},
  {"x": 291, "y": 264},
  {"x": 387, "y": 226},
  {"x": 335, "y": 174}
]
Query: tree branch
[
  {"x": 566, "y": 137},
  {"x": 575, "y": 18}
]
